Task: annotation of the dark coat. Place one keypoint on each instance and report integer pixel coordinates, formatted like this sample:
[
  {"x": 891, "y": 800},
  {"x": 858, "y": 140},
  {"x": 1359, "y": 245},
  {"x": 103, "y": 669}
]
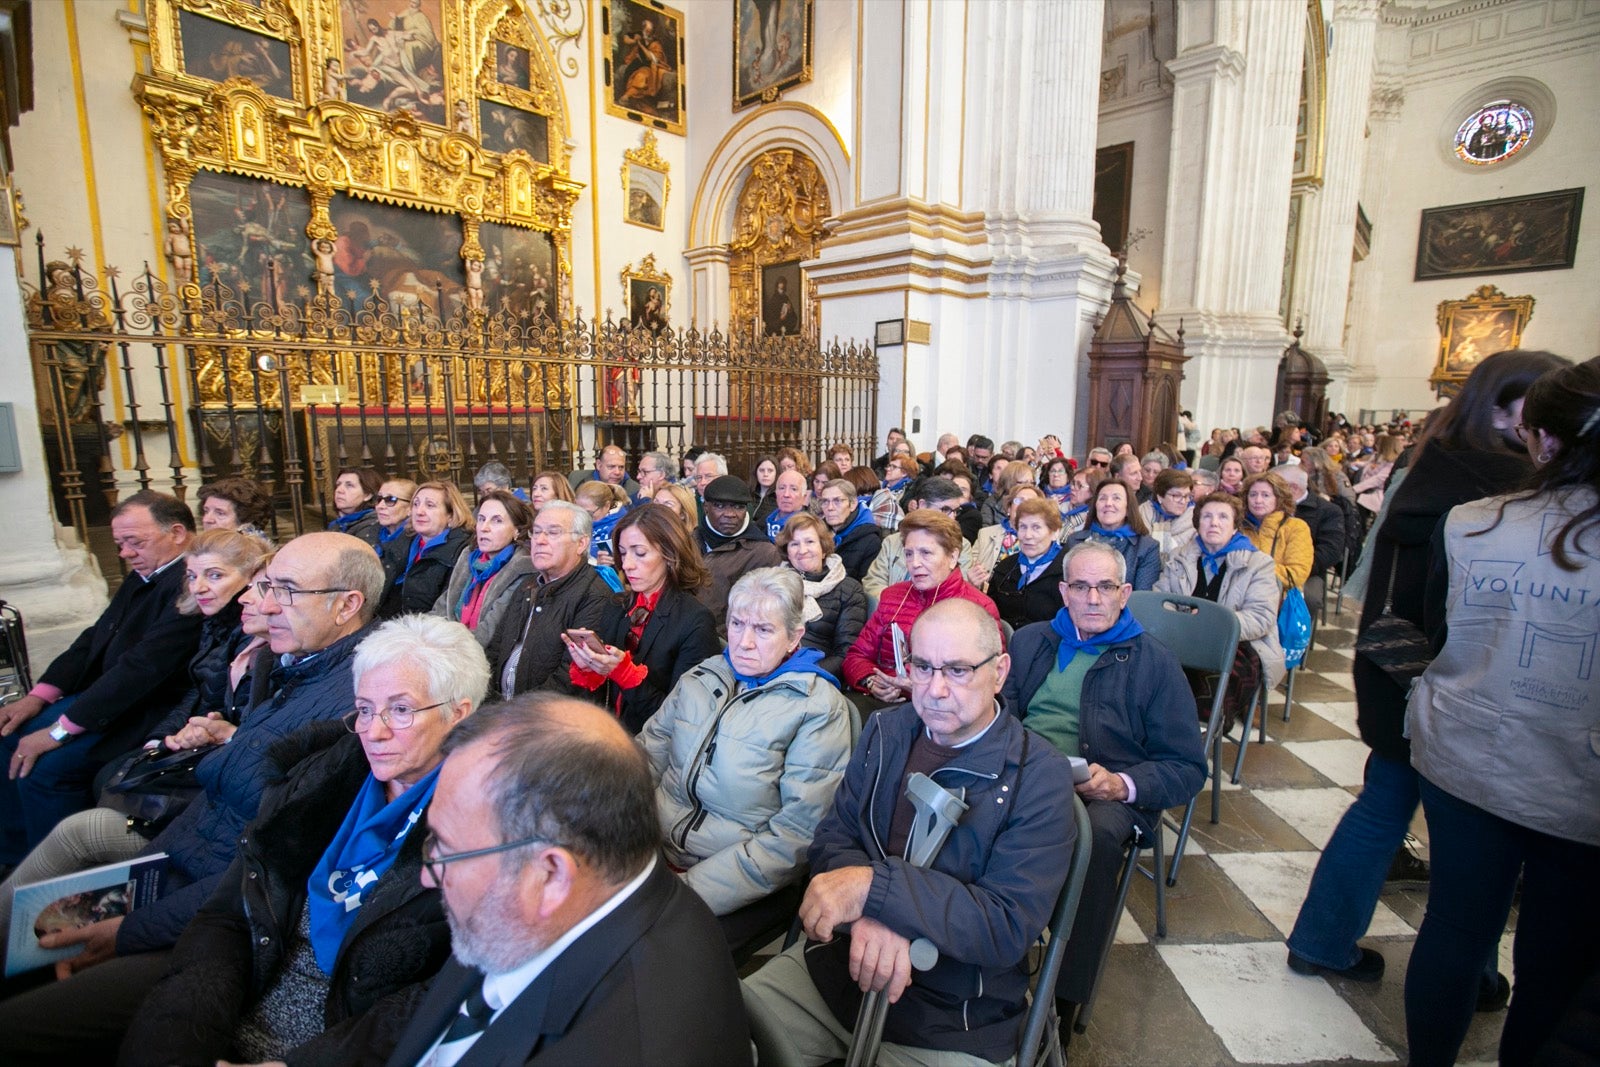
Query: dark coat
[
  {"x": 233, "y": 950},
  {"x": 1137, "y": 714},
  {"x": 220, "y": 640},
  {"x": 844, "y": 612},
  {"x": 989, "y": 893},
  {"x": 1326, "y": 520},
  {"x": 1142, "y": 554},
  {"x": 365, "y": 528},
  {"x": 414, "y": 592},
  {"x": 131, "y": 666},
  {"x": 1438, "y": 481},
  {"x": 859, "y": 548},
  {"x": 1038, "y": 601},
  {"x": 728, "y": 560},
  {"x": 650, "y": 983},
  {"x": 204, "y": 838},
  {"x": 680, "y": 633},
  {"x": 580, "y": 600}
]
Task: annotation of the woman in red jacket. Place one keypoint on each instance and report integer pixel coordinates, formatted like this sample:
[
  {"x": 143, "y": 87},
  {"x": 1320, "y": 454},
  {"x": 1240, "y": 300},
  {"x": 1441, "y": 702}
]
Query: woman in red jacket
[{"x": 932, "y": 543}]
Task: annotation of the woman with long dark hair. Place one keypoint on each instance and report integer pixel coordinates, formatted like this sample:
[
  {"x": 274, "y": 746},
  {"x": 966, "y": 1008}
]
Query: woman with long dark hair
[
  {"x": 1503, "y": 727},
  {"x": 1469, "y": 450}
]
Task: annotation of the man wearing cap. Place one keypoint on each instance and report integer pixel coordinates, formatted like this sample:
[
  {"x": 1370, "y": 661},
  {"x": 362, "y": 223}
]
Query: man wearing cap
[{"x": 732, "y": 543}]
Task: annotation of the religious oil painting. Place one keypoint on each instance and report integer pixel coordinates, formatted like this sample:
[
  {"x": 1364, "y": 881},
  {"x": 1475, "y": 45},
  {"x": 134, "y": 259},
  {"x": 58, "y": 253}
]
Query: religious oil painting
[
  {"x": 1486, "y": 322},
  {"x": 771, "y": 48},
  {"x": 218, "y": 51},
  {"x": 407, "y": 259},
  {"x": 251, "y": 234},
  {"x": 644, "y": 63},
  {"x": 647, "y": 196},
  {"x": 647, "y": 304},
  {"x": 519, "y": 271},
  {"x": 503, "y": 128},
  {"x": 1521, "y": 233},
  {"x": 512, "y": 65},
  {"x": 780, "y": 299},
  {"x": 392, "y": 56}
]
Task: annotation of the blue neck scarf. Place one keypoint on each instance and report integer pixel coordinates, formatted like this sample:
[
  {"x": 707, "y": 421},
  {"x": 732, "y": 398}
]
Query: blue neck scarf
[
  {"x": 367, "y": 844},
  {"x": 1253, "y": 521},
  {"x": 1059, "y": 494},
  {"x": 600, "y": 539},
  {"x": 481, "y": 568},
  {"x": 342, "y": 523},
  {"x": 863, "y": 517},
  {"x": 1212, "y": 561},
  {"x": 1124, "y": 629},
  {"x": 385, "y": 536},
  {"x": 775, "y": 523},
  {"x": 1074, "y": 512},
  {"x": 1124, "y": 531},
  {"x": 419, "y": 548},
  {"x": 803, "y": 661},
  {"x": 1029, "y": 569},
  {"x": 898, "y": 484},
  {"x": 1155, "y": 506}
]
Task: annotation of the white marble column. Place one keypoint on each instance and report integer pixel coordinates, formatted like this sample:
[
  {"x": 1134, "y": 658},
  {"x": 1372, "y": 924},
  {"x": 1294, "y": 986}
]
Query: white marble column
[
  {"x": 1329, "y": 228},
  {"x": 709, "y": 286},
  {"x": 1236, "y": 87}
]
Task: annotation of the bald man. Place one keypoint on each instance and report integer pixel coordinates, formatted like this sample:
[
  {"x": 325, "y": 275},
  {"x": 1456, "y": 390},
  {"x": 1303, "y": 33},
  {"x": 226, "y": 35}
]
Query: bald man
[{"x": 611, "y": 467}]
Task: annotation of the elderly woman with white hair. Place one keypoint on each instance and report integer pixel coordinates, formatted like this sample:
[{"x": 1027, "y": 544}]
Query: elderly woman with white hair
[
  {"x": 323, "y": 916},
  {"x": 747, "y": 751}
]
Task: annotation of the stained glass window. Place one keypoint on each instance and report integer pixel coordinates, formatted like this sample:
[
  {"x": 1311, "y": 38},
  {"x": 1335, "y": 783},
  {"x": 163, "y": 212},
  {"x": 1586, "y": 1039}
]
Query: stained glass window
[{"x": 1494, "y": 132}]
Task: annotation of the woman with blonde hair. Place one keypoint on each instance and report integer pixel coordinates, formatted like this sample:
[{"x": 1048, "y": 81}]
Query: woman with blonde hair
[
  {"x": 1375, "y": 475},
  {"x": 548, "y": 485},
  {"x": 679, "y": 499},
  {"x": 1270, "y": 525},
  {"x": 419, "y": 567}
]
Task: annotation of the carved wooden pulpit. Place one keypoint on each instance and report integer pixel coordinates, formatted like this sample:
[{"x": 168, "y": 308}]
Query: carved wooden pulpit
[
  {"x": 1302, "y": 385},
  {"x": 1135, "y": 368}
]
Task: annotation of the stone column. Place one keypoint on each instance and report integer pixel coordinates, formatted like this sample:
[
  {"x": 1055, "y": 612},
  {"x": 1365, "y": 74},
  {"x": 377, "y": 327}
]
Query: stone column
[
  {"x": 1331, "y": 216},
  {"x": 708, "y": 286},
  {"x": 1236, "y": 85}
]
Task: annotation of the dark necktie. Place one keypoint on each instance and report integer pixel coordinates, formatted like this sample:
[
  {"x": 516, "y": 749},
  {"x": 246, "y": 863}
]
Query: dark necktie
[{"x": 473, "y": 1019}]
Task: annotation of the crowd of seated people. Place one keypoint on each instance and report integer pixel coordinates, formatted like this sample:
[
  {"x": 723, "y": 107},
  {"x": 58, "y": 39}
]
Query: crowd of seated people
[{"x": 700, "y": 699}]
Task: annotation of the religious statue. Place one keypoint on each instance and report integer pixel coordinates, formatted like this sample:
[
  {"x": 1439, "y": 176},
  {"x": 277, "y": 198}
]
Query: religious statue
[
  {"x": 80, "y": 365},
  {"x": 475, "y": 284},
  {"x": 332, "y": 80},
  {"x": 463, "y": 117},
  {"x": 180, "y": 250},
  {"x": 322, "y": 252}
]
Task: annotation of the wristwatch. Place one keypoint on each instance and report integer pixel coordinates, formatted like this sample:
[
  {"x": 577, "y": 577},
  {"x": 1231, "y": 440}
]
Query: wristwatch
[{"x": 60, "y": 734}]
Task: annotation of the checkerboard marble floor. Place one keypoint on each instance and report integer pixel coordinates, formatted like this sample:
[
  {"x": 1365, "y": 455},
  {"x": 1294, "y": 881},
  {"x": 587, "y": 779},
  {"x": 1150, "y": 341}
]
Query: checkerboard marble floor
[{"x": 1217, "y": 989}]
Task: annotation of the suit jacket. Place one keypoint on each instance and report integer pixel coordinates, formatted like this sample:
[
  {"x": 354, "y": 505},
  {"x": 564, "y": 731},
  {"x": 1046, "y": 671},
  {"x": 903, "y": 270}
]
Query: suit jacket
[
  {"x": 680, "y": 633},
  {"x": 650, "y": 983}
]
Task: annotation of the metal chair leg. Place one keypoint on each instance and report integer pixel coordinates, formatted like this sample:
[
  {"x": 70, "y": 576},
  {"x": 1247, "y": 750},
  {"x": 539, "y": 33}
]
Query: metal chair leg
[
  {"x": 1081, "y": 1023},
  {"x": 1159, "y": 877},
  {"x": 1249, "y": 721}
]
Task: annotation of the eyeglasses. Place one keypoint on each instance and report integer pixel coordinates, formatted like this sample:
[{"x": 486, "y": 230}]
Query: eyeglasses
[
  {"x": 435, "y": 863},
  {"x": 285, "y": 595},
  {"x": 392, "y": 500},
  {"x": 1100, "y": 463},
  {"x": 399, "y": 717},
  {"x": 922, "y": 671},
  {"x": 548, "y": 533},
  {"x": 1107, "y": 588}
]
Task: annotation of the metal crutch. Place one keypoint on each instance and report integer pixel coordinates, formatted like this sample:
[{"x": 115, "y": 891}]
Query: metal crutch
[{"x": 938, "y": 811}]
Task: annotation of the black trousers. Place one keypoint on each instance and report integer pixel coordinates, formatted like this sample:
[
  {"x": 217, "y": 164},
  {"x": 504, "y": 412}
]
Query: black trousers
[
  {"x": 81, "y": 1020},
  {"x": 1112, "y": 826}
]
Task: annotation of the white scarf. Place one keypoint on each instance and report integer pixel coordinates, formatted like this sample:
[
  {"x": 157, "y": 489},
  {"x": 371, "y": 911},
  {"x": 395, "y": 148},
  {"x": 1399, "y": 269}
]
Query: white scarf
[{"x": 832, "y": 575}]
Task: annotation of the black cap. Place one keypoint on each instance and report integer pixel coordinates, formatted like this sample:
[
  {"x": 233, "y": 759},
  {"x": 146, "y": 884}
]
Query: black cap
[{"x": 728, "y": 490}]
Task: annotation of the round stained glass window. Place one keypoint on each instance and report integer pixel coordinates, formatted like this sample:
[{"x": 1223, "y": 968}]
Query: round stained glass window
[{"x": 1494, "y": 132}]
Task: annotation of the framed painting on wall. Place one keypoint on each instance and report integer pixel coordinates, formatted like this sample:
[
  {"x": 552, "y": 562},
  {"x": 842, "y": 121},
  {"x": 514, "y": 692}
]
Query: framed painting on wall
[
  {"x": 519, "y": 271},
  {"x": 405, "y": 257},
  {"x": 771, "y": 48},
  {"x": 1113, "y": 188},
  {"x": 644, "y": 62},
  {"x": 649, "y": 295},
  {"x": 504, "y": 129},
  {"x": 1484, "y": 323},
  {"x": 512, "y": 65},
  {"x": 781, "y": 299},
  {"x": 393, "y": 59},
  {"x": 251, "y": 234},
  {"x": 1519, "y": 233},
  {"x": 219, "y": 51},
  {"x": 645, "y": 184}
]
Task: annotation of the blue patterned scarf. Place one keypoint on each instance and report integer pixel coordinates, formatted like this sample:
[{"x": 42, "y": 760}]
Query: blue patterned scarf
[
  {"x": 1028, "y": 570},
  {"x": 1212, "y": 561},
  {"x": 342, "y": 523},
  {"x": 1124, "y": 629},
  {"x": 480, "y": 569}
]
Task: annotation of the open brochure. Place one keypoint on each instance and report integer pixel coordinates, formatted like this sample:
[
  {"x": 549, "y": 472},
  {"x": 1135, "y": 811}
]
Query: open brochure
[{"x": 77, "y": 900}]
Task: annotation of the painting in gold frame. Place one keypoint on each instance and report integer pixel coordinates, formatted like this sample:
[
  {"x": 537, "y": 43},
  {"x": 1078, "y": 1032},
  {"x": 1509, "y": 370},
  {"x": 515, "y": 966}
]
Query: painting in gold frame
[
  {"x": 771, "y": 49},
  {"x": 218, "y": 51},
  {"x": 644, "y": 62},
  {"x": 394, "y": 57},
  {"x": 645, "y": 185},
  {"x": 1484, "y": 323}
]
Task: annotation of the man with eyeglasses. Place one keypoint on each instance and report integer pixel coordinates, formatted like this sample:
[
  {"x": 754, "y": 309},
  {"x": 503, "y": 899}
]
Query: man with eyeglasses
[
  {"x": 563, "y": 592},
  {"x": 98, "y": 698},
  {"x": 1097, "y": 686},
  {"x": 987, "y": 894},
  {"x": 889, "y": 567},
  {"x": 572, "y": 941},
  {"x": 655, "y": 470},
  {"x": 318, "y": 596}
]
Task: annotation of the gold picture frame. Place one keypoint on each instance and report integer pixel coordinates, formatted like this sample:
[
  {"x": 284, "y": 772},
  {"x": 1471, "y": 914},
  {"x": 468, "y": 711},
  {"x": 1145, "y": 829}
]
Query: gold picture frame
[
  {"x": 644, "y": 64},
  {"x": 771, "y": 54},
  {"x": 1486, "y": 322},
  {"x": 637, "y": 283},
  {"x": 645, "y": 185}
]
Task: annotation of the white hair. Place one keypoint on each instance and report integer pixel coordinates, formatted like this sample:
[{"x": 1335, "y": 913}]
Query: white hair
[
  {"x": 712, "y": 457},
  {"x": 447, "y": 652}
]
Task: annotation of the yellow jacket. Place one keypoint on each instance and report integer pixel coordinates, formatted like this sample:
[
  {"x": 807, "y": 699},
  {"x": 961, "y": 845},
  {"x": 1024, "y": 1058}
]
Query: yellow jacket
[{"x": 1288, "y": 541}]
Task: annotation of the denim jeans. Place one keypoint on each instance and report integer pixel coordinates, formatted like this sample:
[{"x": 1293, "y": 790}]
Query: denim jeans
[
  {"x": 1349, "y": 877},
  {"x": 60, "y": 784},
  {"x": 1477, "y": 857}
]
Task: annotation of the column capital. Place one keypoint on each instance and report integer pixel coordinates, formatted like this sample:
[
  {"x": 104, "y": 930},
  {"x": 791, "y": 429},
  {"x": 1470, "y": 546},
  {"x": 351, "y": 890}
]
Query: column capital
[
  {"x": 1351, "y": 10},
  {"x": 708, "y": 254},
  {"x": 1210, "y": 61}
]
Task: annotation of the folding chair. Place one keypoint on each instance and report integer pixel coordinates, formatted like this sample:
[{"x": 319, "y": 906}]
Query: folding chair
[
  {"x": 1137, "y": 845},
  {"x": 1041, "y": 1035},
  {"x": 1204, "y": 637}
]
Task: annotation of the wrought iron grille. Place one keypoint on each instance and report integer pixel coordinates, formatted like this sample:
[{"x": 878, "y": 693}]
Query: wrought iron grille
[{"x": 149, "y": 386}]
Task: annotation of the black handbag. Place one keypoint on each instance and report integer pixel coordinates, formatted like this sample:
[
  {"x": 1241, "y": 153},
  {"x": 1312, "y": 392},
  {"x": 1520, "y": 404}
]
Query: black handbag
[
  {"x": 153, "y": 786},
  {"x": 1395, "y": 645}
]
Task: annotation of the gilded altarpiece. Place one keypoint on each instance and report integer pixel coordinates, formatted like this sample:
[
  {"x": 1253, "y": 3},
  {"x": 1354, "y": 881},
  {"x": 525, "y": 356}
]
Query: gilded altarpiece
[
  {"x": 777, "y": 225},
  {"x": 382, "y": 103}
]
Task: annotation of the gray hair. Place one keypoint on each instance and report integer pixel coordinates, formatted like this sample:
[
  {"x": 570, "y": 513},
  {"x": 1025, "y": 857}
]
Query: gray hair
[
  {"x": 1295, "y": 475},
  {"x": 582, "y": 524},
  {"x": 938, "y": 490},
  {"x": 1092, "y": 546},
  {"x": 492, "y": 475},
  {"x": 562, "y": 782},
  {"x": 357, "y": 569},
  {"x": 1207, "y": 477},
  {"x": 1099, "y": 451},
  {"x": 1158, "y": 456},
  {"x": 712, "y": 457},
  {"x": 1011, "y": 449},
  {"x": 662, "y": 461},
  {"x": 446, "y": 653},
  {"x": 769, "y": 589}
]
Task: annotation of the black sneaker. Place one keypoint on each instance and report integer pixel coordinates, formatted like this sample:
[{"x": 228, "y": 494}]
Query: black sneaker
[
  {"x": 1495, "y": 997},
  {"x": 1369, "y": 968},
  {"x": 1408, "y": 870}
]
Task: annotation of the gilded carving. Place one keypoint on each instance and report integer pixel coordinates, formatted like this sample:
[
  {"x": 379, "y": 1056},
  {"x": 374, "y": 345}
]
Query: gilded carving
[{"x": 778, "y": 219}]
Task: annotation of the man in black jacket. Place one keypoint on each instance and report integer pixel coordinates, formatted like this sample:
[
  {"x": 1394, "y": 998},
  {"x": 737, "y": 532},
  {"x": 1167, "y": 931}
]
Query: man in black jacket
[
  {"x": 1325, "y": 518},
  {"x": 732, "y": 543},
  {"x": 563, "y": 593},
  {"x": 99, "y": 697},
  {"x": 573, "y": 942}
]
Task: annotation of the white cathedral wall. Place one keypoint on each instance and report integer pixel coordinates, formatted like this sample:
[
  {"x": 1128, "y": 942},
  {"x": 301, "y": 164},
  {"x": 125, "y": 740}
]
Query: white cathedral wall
[{"x": 1149, "y": 126}]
